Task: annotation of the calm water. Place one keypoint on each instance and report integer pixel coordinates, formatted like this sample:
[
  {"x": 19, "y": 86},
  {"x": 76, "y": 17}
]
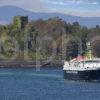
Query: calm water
[{"x": 47, "y": 84}]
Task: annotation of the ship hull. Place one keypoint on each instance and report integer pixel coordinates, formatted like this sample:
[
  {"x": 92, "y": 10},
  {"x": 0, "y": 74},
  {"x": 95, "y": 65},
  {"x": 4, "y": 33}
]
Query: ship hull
[{"x": 88, "y": 75}]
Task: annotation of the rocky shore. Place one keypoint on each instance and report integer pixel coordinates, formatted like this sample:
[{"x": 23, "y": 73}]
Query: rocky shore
[{"x": 29, "y": 63}]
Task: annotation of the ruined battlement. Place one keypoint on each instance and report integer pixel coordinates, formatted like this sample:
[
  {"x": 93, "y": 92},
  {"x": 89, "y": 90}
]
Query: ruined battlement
[{"x": 20, "y": 21}]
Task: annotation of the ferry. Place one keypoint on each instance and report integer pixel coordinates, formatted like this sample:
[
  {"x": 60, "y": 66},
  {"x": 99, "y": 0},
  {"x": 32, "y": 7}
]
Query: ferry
[{"x": 87, "y": 70}]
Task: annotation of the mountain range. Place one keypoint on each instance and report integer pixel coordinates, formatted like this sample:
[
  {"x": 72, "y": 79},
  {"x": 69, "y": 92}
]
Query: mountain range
[{"x": 7, "y": 13}]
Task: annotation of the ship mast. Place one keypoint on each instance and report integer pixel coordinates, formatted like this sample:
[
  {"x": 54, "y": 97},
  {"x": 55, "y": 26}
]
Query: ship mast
[{"x": 89, "y": 49}]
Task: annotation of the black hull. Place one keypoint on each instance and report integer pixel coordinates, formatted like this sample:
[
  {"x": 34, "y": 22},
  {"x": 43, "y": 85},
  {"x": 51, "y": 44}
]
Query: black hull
[{"x": 88, "y": 75}]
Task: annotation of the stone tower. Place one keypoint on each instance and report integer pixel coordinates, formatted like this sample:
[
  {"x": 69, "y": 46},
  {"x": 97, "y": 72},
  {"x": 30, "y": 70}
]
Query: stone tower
[{"x": 20, "y": 21}]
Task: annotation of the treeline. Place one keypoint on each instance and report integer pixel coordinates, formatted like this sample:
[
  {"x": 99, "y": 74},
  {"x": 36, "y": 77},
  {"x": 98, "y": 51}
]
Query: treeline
[{"x": 42, "y": 39}]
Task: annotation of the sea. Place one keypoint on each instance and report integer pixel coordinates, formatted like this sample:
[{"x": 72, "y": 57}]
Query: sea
[{"x": 44, "y": 84}]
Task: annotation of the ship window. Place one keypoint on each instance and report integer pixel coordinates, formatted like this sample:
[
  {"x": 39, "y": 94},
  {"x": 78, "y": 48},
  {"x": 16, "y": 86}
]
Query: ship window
[{"x": 91, "y": 61}]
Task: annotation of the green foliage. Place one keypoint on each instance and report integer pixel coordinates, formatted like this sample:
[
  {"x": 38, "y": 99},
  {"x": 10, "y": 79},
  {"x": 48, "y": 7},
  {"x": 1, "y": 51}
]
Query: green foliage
[{"x": 54, "y": 28}]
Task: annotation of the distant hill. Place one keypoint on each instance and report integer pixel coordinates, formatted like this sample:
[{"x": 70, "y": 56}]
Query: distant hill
[{"x": 7, "y": 13}]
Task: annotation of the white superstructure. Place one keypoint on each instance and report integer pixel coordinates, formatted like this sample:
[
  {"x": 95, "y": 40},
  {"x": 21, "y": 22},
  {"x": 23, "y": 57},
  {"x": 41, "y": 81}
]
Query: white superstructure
[{"x": 82, "y": 65}]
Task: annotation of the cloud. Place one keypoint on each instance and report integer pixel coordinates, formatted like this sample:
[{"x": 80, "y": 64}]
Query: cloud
[
  {"x": 91, "y": 2},
  {"x": 55, "y": 2},
  {"x": 65, "y": 2}
]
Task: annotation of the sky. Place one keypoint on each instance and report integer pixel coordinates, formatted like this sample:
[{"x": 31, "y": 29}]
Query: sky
[{"x": 83, "y": 8}]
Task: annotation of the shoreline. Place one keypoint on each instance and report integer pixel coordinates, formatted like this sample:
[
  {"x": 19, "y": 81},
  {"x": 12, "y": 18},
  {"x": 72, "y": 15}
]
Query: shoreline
[{"x": 29, "y": 64}]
